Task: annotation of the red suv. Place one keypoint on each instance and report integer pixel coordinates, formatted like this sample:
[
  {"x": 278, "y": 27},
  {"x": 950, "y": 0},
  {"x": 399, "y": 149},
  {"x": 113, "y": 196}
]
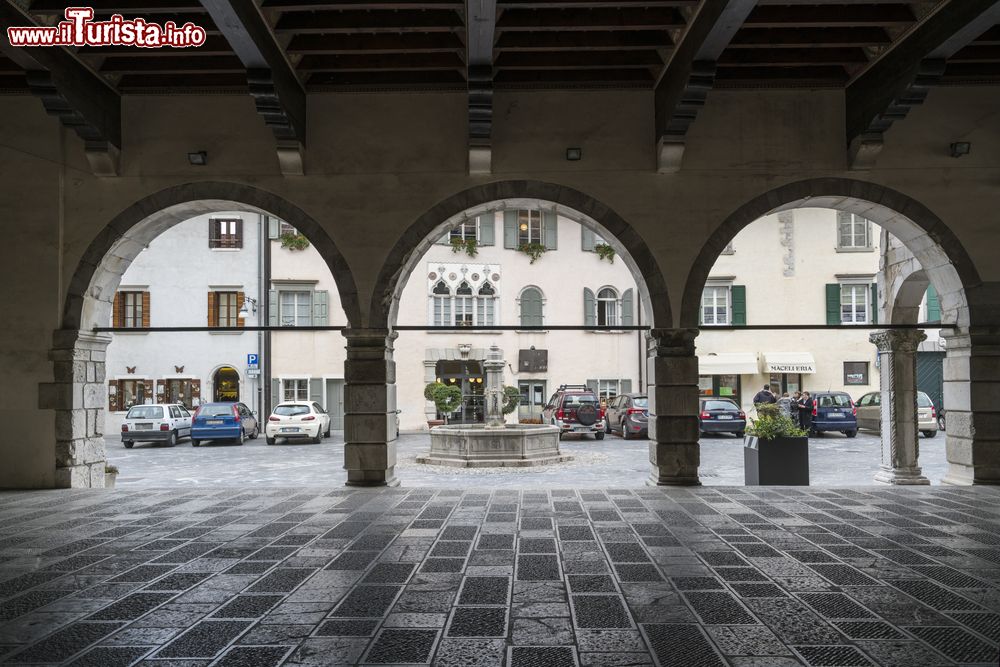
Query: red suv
[{"x": 575, "y": 408}]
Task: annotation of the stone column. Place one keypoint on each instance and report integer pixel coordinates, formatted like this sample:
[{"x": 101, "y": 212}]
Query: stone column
[
  {"x": 672, "y": 372},
  {"x": 972, "y": 405},
  {"x": 78, "y": 395},
  {"x": 897, "y": 350},
  {"x": 370, "y": 430}
]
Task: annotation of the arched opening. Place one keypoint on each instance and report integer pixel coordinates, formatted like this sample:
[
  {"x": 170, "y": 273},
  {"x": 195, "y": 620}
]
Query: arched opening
[
  {"x": 95, "y": 300},
  {"x": 917, "y": 251}
]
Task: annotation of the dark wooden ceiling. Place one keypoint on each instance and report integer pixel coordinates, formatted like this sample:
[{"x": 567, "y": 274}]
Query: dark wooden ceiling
[{"x": 412, "y": 44}]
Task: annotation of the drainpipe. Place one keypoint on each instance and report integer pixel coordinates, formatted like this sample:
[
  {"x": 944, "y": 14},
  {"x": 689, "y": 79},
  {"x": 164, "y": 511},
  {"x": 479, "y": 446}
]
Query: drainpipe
[
  {"x": 641, "y": 339},
  {"x": 263, "y": 303}
]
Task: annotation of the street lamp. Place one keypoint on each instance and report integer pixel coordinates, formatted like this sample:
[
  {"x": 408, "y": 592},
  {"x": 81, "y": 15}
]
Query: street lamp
[{"x": 249, "y": 305}]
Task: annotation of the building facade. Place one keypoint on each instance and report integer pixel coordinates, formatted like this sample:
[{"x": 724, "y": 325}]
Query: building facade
[{"x": 196, "y": 274}]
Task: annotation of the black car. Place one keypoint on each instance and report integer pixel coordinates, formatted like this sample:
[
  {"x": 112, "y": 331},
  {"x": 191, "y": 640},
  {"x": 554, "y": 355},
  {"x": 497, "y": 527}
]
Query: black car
[
  {"x": 629, "y": 414},
  {"x": 575, "y": 408},
  {"x": 721, "y": 415}
]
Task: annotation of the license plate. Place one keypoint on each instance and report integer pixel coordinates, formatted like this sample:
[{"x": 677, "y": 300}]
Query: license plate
[
  {"x": 213, "y": 421},
  {"x": 143, "y": 427},
  {"x": 724, "y": 417},
  {"x": 835, "y": 415},
  {"x": 289, "y": 429},
  {"x": 581, "y": 428}
]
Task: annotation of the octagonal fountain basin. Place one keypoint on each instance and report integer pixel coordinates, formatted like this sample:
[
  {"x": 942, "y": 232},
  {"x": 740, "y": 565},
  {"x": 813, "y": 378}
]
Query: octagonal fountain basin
[{"x": 476, "y": 446}]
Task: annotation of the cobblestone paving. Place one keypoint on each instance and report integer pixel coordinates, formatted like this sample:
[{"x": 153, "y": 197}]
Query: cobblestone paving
[
  {"x": 834, "y": 461},
  {"x": 715, "y": 576}
]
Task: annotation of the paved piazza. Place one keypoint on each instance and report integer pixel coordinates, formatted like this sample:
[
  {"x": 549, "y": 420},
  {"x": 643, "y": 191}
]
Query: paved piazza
[{"x": 834, "y": 461}]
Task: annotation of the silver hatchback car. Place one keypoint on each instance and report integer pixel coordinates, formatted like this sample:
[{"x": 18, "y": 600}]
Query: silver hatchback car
[{"x": 870, "y": 413}]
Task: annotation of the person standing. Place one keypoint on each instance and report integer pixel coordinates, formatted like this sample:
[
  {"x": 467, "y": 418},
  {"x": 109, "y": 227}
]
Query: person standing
[
  {"x": 794, "y": 408},
  {"x": 764, "y": 396},
  {"x": 806, "y": 411},
  {"x": 785, "y": 404}
]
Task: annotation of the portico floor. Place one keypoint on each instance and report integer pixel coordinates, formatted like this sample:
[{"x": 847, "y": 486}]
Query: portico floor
[{"x": 627, "y": 576}]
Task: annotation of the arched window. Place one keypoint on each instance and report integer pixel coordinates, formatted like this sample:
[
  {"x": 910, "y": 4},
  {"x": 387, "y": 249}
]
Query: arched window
[
  {"x": 486, "y": 305},
  {"x": 531, "y": 307},
  {"x": 607, "y": 307},
  {"x": 463, "y": 305},
  {"x": 441, "y": 304}
]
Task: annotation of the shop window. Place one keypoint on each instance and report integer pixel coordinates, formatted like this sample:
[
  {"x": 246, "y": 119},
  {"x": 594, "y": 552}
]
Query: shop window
[
  {"x": 727, "y": 386},
  {"x": 855, "y": 372}
]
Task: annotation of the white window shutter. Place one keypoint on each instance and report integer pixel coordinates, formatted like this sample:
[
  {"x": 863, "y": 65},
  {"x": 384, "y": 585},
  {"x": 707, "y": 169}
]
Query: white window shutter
[
  {"x": 486, "y": 231},
  {"x": 510, "y": 230},
  {"x": 550, "y": 229},
  {"x": 272, "y": 308},
  {"x": 320, "y": 307}
]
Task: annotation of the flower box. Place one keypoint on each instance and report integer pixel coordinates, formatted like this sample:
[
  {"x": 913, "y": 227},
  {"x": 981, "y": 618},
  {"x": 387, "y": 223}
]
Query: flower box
[{"x": 780, "y": 462}]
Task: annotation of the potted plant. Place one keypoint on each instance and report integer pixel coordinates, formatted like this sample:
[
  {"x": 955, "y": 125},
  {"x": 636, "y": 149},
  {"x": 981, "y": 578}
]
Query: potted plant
[
  {"x": 605, "y": 251},
  {"x": 110, "y": 474},
  {"x": 446, "y": 399},
  {"x": 470, "y": 246},
  {"x": 775, "y": 450},
  {"x": 293, "y": 241},
  {"x": 511, "y": 399},
  {"x": 532, "y": 250}
]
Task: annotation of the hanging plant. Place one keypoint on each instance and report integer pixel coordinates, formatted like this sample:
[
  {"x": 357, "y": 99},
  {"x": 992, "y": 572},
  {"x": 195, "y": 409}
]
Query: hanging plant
[
  {"x": 511, "y": 399},
  {"x": 605, "y": 251},
  {"x": 293, "y": 241},
  {"x": 532, "y": 250},
  {"x": 470, "y": 246}
]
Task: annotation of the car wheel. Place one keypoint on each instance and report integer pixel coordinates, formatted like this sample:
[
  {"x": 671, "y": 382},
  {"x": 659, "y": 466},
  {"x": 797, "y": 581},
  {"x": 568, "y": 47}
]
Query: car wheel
[
  {"x": 318, "y": 439},
  {"x": 607, "y": 427},
  {"x": 929, "y": 434},
  {"x": 625, "y": 433},
  {"x": 173, "y": 439},
  {"x": 326, "y": 433},
  {"x": 813, "y": 433},
  {"x": 850, "y": 434},
  {"x": 128, "y": 444},
  {"x": 241, "y": 438},
  {"x": 195, "y": 443},
  {"x": 255, "y": 433},
  {"x": 599, "y": 436},
  {"x": 740, "y": 434},
  {"x": 269, "y": 441},
  {"x": 941, "y": 423},
  {"x": 561, "y": 434}
]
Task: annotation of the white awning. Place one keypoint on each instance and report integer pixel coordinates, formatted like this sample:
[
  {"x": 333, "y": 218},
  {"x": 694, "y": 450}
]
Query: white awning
[
  {"x": 728, "y": 363},
  {"x": 789, "y": 362}
]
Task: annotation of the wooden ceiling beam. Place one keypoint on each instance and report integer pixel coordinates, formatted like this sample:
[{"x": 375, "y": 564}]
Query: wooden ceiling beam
[
  {"x": 339, "y": 5},
  {"x": 754, "y": 57},
  {"x": 592, "y": 4},
  {"x": 127, "y": 8},
  {"x": 215, "y": 45},
  {"x": 590, "y": 40},
  {"x": 352, "y": 21},
  {"x": 885, "y": 91},
  {"x": 602, "y": 19},
  {"x": 446, "y": 42},
  {"x": 380, "y": 62},
  {"x": 579, "y": 60},
  {"x": 480, "y": 31},
  {"x": 820, "y": 16},
  {"x": 176, "y": 64},
  {"x": 770, "y": 38}
]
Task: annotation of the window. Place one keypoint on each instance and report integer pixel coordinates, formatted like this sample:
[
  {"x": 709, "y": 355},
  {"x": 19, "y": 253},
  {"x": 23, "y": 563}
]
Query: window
[
  {"x": 715, "y": 306},
  {"x": 854, "y": 232},
  {"x": 529, "y": 227},
  {"x": 719, "y": 385},
  {"x": 130, "y": 311},
  {"x": 607, "y": 390},
  {"x": 463, "y": 305},
  {"x": 295, "y": 390},
  {"x": 123, "y": 394},
  {"x": 467, "y": 230},
  {"x": 486, "y": 306},
  {"x": 179, "y": 391},
  {"x": 295, "y": 308},
  {"x": 441, "y": 304},
  {"x": 285, "y": 228},
  {"x": 607, "y": 307},
  {"x": 854, "y": 303},
  {"x": 531, "y": 307},
  {"x": 225, "y": 233},
  {"x": 855, "y": 372},
  {"x": 466, "y": 308},
  {"x": 227, "y": 308}
]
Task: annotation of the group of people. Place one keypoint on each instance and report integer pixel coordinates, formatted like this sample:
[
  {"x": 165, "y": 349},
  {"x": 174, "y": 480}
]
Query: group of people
[{"x": 798, "y": 407}]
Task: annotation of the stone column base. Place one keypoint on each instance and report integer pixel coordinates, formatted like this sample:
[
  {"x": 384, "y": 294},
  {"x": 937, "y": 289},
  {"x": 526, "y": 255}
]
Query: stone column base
[
  {"x": 901, "y": 476},
  {"x": 370, "y": 478},
  {"x": 659, "y": 479}
]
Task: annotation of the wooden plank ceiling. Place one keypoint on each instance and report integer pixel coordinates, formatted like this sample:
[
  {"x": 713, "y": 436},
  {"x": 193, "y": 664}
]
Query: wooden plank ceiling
[{"x": 420, "y": 44}]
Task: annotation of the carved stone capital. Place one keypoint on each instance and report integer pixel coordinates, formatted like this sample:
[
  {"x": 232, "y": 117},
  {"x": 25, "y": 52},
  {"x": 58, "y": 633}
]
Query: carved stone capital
[
  {"x": 897, "y": 340},
  {"x": 671, "y": 342}
]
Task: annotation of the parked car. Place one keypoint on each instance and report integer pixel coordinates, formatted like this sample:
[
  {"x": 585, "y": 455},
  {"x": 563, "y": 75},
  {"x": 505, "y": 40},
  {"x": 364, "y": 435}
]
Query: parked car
[
  {"x": 160, "y": 422},
  {"x": 575, "y": 408},
  {"x": 629, "y": 414},
  {"x": 870, "y": 414},
  {"x": 721, "y": 415},
  {"x": 833, "y": 411},
  {"x": 223, "y": 421},
  {"x": 297, "y": 420}
]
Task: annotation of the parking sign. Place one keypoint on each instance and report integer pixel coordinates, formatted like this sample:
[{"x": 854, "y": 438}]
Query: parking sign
[{"x": 252, "y": 360}]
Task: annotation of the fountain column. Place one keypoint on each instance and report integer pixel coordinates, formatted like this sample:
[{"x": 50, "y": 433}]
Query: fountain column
[{"x": 493, "y": 394}]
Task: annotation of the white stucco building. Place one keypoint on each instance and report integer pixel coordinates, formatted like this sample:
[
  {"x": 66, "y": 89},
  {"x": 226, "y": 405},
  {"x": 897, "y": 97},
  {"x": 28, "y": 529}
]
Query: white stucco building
[{"x": 195, "y": 274}]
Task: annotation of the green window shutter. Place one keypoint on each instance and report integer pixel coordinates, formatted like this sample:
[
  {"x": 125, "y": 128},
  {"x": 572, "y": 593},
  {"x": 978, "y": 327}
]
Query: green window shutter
[
  {"x": 321, "y": 300},
  {"x": 531, "y": 307},
  {"x": 273, "y": 227},
  {"x": 933, "y": 305},
  {"x": 486, "y": 234},
  {"x": 510, "y": 230},
  {"x": 627, "y": 307},
  {"x": 316, "y": 390},
  {"x": 587, "y": 239},
  {"x": 272, "y": 308},
  {"x": 874, "y": 304},
  {"x": 550, "y": 231},
  {"x": 626, "y": 386},
  {"x": 738, "y": 294},
  {"x": 833, "y": 303},
  {"x": 593, "y": 385},
  {"x": 589, "y": 308}
]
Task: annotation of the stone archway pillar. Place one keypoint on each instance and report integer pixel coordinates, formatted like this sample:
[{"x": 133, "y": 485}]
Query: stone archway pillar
[
  {"x": 78, "y": 396},
  {"x": 897, "y": 351},
  {"x": 370, "y": 429},
  {"x": 972, "y": 404},
  {"x": 672, "y": 372}
]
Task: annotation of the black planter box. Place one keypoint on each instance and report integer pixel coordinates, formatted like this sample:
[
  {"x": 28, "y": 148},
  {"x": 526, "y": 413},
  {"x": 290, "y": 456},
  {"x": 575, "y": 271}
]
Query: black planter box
[{"x": 780, "y": 462}]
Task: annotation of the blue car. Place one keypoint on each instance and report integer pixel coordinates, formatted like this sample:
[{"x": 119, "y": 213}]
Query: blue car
[
  {"x": 834, "y": 411},
  {"x": 223, "y": 421}
]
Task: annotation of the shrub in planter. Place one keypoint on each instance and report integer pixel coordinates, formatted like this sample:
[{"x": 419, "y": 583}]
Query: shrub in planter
[
  {"x": 511, "y": 399},
  {"x": 110, "y": 474},
  {"x": 776, "y": 451},
  {"x": 446, "y": 398}
]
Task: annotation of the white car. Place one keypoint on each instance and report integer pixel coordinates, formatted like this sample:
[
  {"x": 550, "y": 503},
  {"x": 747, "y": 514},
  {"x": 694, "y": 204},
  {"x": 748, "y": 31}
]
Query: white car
[
  {"x": 160, "y": 422},
  {"x": 297, "y": 419}
]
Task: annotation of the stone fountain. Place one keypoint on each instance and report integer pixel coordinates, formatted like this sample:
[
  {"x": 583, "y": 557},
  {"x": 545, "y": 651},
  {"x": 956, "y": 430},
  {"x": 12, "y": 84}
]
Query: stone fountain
[{"x": 494, "y": 444}]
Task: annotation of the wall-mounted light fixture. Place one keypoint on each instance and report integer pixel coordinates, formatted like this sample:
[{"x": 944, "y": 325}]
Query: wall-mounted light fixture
[
  {"x": 960, "y": 148},
  {"x": 574, "y": 154},
  {"x": 249, "y": 305},
  {"x": 198, "y": 158}
]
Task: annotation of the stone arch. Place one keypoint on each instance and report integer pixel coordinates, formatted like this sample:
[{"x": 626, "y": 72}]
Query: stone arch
[
  {"x": 78, "y": 394},
  {"x": 948, "y": 266},
  {"x": 566, "y": 201}
]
